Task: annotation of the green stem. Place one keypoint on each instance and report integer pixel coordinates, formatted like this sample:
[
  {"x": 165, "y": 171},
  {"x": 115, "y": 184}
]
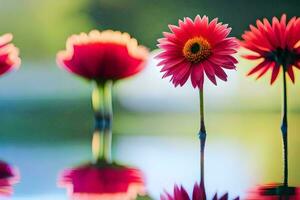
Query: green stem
[
  {"x": 98, "y": 108},
  {"x": 102, "y": 106},
  {"x": 284, "y": 130},
  {"x": 202, "y": 134},
  {"x": 108, "y": 119}
]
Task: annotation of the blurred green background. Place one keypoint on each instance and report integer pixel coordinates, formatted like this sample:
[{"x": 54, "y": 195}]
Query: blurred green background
[
  {"x": 41, "y": 27},
  {"x": 45, "y": 108}
]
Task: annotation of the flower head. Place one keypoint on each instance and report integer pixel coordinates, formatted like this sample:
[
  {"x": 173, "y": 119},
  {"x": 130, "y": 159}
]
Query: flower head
[
  {"x": 198, "y": 194},
  {"x": 9, "y": 54},
  {"x": 109, "y": 181},
  {"x": 276, "y": 44},
  {"x": 195, "y": 48},
  {"x": 8, "y": 177},
  {"x": 272, "y": 192},
  {"x": 101, "y": 56}
]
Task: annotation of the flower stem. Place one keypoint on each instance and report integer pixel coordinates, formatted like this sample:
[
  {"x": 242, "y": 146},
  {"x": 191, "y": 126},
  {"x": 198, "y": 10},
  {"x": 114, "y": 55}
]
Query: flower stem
[
  {"x": 202, "y": 134},
  {"x": 102, "y": 106},
  {"x": 284, "y": 130},
  {"x": 98, "y": 136},
  {"x": 108, "y": 119}
]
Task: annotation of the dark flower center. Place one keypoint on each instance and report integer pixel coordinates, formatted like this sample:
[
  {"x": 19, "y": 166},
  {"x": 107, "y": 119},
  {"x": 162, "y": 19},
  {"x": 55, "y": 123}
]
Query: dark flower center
[
  {"x": 284, "y": 57},
  {"x": 195, "y": 48}
]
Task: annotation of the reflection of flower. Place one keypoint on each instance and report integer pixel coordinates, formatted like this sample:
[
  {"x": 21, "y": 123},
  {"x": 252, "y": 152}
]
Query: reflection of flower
[
  {"x": 198, "y": 194},
  {"x": 273, "y": 192},
  {"x": 276, "y": 45},
  {"x": 101, "y": 56},
  {"x": 197, "y": 47},
  {"x": 107, "y": 182},
  {"x": 9, "y": 54},
  {"x": 8, "y": 177}
]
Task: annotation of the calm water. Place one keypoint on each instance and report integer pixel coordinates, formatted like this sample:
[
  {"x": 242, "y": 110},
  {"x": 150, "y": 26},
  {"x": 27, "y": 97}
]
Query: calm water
[{"x": 245, "y": 152}]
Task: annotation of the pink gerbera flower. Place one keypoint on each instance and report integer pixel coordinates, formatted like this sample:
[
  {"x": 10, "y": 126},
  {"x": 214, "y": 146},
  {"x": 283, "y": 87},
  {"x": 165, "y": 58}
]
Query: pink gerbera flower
[
  {"x": 276, "y": 44},
  {"x": 109, "y": 181},
  {"x": 195, "y": 48},
  {"x": 8, "y": 177},
  {"x": 198, "y": 194},
  {"x": 102, "y": 56},
  {"x": 9, "y": 54}
]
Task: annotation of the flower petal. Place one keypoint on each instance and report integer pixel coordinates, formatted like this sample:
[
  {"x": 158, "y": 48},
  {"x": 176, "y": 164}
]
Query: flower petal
[
  {"x": 258, "y": 67},
  {"x": 275, "y": 72},
  {"x": 290, "y": 72}
]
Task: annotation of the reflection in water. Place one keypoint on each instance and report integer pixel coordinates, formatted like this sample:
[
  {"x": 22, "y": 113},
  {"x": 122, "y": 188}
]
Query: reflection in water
[
  {"x": 103, "y": 181},
  {"x": 274, "y": 192},
  {"x": 228, "y": 166},
  {"x": 198, "y": 194},
  {"x": 103, "y": 178},
  {"x": 8, "y": 177}
]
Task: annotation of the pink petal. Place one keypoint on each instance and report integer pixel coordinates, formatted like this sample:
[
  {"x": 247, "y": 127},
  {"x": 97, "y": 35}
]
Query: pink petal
[
  {"x": 291, "y": 73},
  {"x": 258, "y": 67},
  {"x": 208, "y": 68},
  {"x": 264, "y": 70},
  {"x": 275, "y": 72},
  {"x": 252, "y": 57}
]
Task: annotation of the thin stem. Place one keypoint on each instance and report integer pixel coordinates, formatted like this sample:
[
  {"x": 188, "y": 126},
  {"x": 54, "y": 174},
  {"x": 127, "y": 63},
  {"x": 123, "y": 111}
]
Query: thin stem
[
  {"x": 202, "y": 134},
  {"x": 98, "y": 136},
  {"x": 108, "y": 119},
  {"x": 102, "y": 106},
  {"x": 97, "y": 146},
  {"x": 284, "y": 130}
]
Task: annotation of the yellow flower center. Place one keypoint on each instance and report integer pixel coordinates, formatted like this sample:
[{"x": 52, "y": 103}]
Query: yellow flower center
[{"x": 196, "y": 49}]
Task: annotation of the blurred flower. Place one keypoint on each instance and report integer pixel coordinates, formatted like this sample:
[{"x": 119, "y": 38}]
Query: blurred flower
[
  {"x": 107, "y": 182},
  {"x": 198, "y": 194},
  {"x": 8, "y": 177},
  {"x": 273, "y": 192},
  {"x": 9, "y": 54},
  {"x": 101, "y": 56},
  {"x": 197, "y": 47},
  {"x": 276, "y": 45}
]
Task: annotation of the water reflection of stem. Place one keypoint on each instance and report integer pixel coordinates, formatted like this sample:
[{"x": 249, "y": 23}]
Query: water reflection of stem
[
  {"x": 202, "y": 135},
  {"x": 102, "y": 106},
  {"x": 108, "y": 115},
  {"x": 284, "y": 130}
]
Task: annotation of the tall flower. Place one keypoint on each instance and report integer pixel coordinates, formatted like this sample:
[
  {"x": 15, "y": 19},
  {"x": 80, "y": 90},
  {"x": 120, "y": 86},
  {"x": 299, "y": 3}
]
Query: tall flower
[
  {"x": 102, "y": 56},
  {"x": 198, "y": 194},
  {"x": 8, "y": 177},
  {"x": 9, "y": 54},
  {"x": 277, "y": 45},
  {"x": 195, "y": 48},
  {"x": 108, "y": 181},
  {"x": 9, "y": 60}
]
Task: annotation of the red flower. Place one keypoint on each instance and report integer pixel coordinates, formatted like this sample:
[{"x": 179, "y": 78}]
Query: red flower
[
  {"x": 8, "y": 177},
  {"x": 198, "y": 194},
  {"x": 9, "y": 54},
  {"x": 276, "y": 45},
  {"x": 101, "y": 56},
  {"x": 271, "y": 192},
  {"x": 197, "y": 47},
  {"x": 113, "y": 182}
]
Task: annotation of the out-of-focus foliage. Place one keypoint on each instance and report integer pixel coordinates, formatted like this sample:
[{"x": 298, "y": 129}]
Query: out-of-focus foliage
[
  {"x": 146, "y": 19},
  {"x": 42, "y": 26}
]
